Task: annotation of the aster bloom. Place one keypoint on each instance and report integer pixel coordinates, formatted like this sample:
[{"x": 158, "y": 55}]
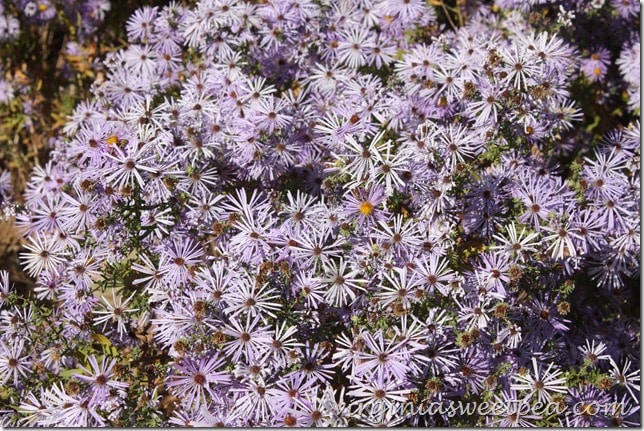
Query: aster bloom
[
  {"x": 593, "y": 353},
  {"x": 269, "y": 114},
  {"x": 100, "y": 378},
  {"x": 249, "y": 339},
  {"x": 197, "y": 380},
  {"x": 255, "y": 403},
  {"x": 625, "y": 415},
  {"x": 596, "y": 66},
  {"x": 546, "y": 316},
  {"x": 440, "y": 357},
  {"x": 515, "y": 244},
  {"x": 384, "y": 359},
  {"x": 301, "y": 210},
  {"x": 389, "y": 167},
  {"x": 377, "y": 395},
  {"x": 251, "y": 243},
  {"x": 587, "y": 410},
  {"x": 306, "y": 213},
  {"x": 45, "y": 253},
  {"x": 629, "y": 67},
  {"x": 458, "y": 144},
  {"x": 284, "y": 343},
  {"x": 343, "y": 283},
  {"x": 434, "y": 274},
  {"x": 177, "y": 259},
  {"x": 542, "y": 383},
  {"x": 354, "y": 46},
  {"x": 36, "y": 413},
  {"x": 493, "y": 270},
  {"x": 154, "y": 276},
  {"x": 314, "y": 249},
  {"x": 252, "y": 300},
  {"x": 312, "y": 366},
  {"x": 511, "y": 336},
  {"x": 476, "y": 314},
  {"x": 78, "y": 213},
  {"x": 399, "y": 239},
  {"x": 13, "y": 365},
  {"x": 398, "y": 291},
  {"x": 561, "y": 240},
  {"x": 115, "y": 312},
  {"x": 48, "y": 216},
  {"x": 514, "y": 412},
  {"x": 365, "y": 204},
  {"x": 486, "y": 111},
  {"x": 130, "y": 164},
  {"x": 535, "y": 193},
  {"x": 140, "y": 24},
  {"x": 623, "y": 378},
  {"x": 4, "y": 286},
  {"x": 69, "y": 410},
  {"x": 470, "y": 371},
  {"x": 310, "y": 289},
  {"x": 361, "y": 160}
]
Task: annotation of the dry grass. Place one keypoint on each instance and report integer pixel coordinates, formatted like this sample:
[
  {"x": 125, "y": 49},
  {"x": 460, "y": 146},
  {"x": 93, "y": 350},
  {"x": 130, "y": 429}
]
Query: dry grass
[{"x": 10, "y": 244}]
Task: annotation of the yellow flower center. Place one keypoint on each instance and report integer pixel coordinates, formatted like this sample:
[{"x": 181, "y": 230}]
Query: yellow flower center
[
  {"x": 42, "y": 7},
  {"x": 112, "y": 140},
  {"x": 587, "y": 409},
  {"x": 366, "y": 208},
  {"x": 597, "y": 71}
]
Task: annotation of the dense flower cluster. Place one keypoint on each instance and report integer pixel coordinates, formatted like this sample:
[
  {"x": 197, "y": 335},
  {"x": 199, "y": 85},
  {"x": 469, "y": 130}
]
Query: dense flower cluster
[{"x": 298, "y": 212}]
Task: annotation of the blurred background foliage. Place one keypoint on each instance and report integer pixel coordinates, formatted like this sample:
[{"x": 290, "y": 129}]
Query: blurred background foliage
[{"x": 50, "y": 54}]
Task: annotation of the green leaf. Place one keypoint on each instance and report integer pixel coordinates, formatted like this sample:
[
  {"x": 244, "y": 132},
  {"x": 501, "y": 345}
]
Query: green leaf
[
  {"x": 67, "y": 374},
  {"x": 108, "y": 347}
]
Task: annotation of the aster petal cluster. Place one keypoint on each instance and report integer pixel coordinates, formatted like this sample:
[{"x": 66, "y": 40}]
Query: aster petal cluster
[{"x": 298, "y": 212}]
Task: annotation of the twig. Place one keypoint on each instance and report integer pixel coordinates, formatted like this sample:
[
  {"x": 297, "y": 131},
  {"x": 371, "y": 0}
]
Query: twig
[{"x": 449, "y": 18}]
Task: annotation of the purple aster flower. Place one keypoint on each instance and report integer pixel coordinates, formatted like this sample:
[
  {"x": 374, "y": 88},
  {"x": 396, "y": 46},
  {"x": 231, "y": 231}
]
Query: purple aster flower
[
  {"x": 382, "y": 359},
  {"x": 13, "y": 365},
  {"x": 592, "y": 353},
  {"x": 623, "y": 413},
  {"x": 115, "y": 312},
  {"x": 588, "y": 406},
  {"x": 101, "y": 378},
  {"x": 540, "y": 382},
  {"x": 5, "y": 288},
  {"x": 312, "y": 364},
  {"x": 472, "y": 367},
  {"x": 626, "y": 8},
  {"x": 252, "y": 300},
  {"x": 623, "y": 378},
  {"x": 140, "y": 26},
  {"x": 364, "y": 205},
  {"x": 343, "y": 283},
  {"x": 70, "y": 410},
  {"x": 178, "y": 258},
  {"x": 516, "y": 245},
  {"x": 596, "y": 66},
  {"x": 314, "y": 249},
  {"x": 44, "y": 254},
  {"x": 377, "y": 395},
  {"x": 514, "y": 412},
  {"x": 249, "y": 339},
  {"x": 310, "y": 289},
  {"x": 196, "y": 380},
  {"x": 400, "y": 239}
]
